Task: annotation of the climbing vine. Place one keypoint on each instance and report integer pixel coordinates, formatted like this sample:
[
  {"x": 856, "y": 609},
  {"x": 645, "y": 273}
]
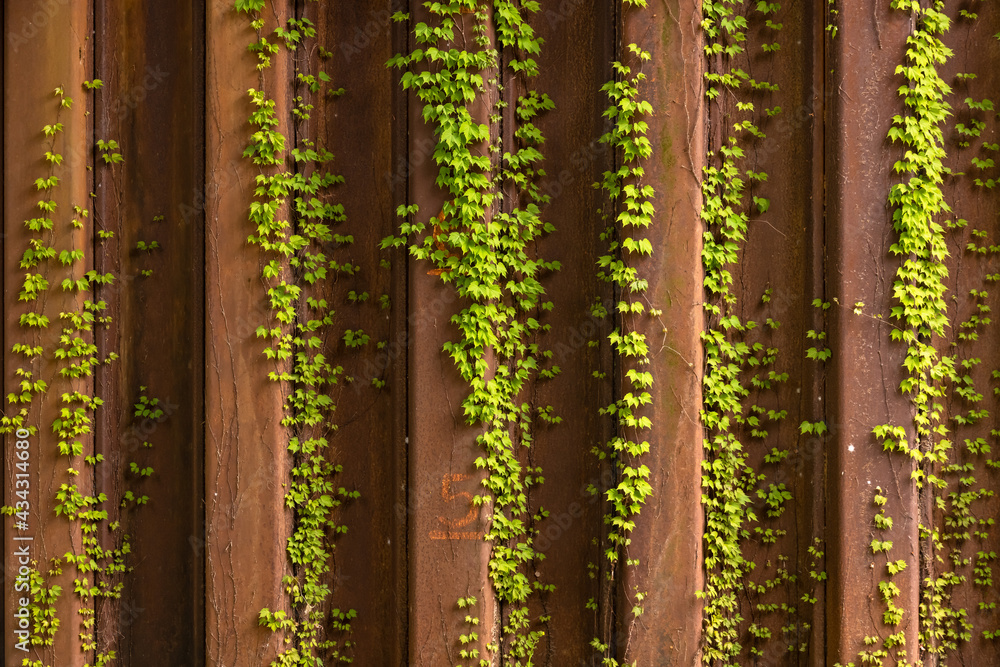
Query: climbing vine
[
  {"x": 938, "y": 382},
  {"x": 296, "y": 182},
  {"x": 743, "y": 489},
  {"x": 481, "y": 243},
  {"x": 919, "y": 290},
  {"x": 727, "y": 480},
  {"x": 631, "y": 201},
  {"x": 98, "y": 562},
  {"x": 474, "y": 70}
]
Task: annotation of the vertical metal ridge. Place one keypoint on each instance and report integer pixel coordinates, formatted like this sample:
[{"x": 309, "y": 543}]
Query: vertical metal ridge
[
  {"x": 817, "y": 281},
  {"x": 246, "y": 455},
  {"x": 402, "y": 139},
  {"x": 199, "y": 508},
  {"x": 209, "y": 549},
  {"x": 865, "y": 370},
  {"x": 667, "y": 539},
  {"x": 448, "y": 557}
]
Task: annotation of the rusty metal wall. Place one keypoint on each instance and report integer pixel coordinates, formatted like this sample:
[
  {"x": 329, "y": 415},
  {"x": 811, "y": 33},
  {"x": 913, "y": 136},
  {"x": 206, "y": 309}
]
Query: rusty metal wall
[{"x": 209, "y": 547}]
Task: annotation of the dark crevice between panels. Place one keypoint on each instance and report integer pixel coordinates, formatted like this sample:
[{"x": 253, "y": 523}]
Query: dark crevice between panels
[{"x": 401, "y": 312}]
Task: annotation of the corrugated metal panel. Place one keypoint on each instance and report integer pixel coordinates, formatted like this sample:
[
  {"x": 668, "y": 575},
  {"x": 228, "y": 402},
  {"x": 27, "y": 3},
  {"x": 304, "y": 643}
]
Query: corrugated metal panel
[
  {"x": 361, "y": 38},
  {"x": 447, "y": 557},
  {"x": 152, "y": 103},
  {"x": 863, "y": 383},
  {"x": 581, "y": 33},
  {"x": 209, "y": 548}
]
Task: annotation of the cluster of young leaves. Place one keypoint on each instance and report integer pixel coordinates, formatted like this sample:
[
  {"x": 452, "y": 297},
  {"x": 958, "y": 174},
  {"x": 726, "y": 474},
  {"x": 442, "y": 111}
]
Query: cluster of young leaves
[
  {"x": 298, "y": 181},
  {"x": 632, "y": 202},
  {"x": 920, "y": 292},
  {"x": 37, "y": 255},
  {"x": 483, "y": 245},
  {"x": 893, "y": 614},
  {"x": 727, "y": 478},
  {"x": 969, "y": 410},
  {"x": 726, "y": 491},
  {"x": 98, "y": 568},
  {"x": 919, "y": 288},
  {"x": 734, "y": 367}
]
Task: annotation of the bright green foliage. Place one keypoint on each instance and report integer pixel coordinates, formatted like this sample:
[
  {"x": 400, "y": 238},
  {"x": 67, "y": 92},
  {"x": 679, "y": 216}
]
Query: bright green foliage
[
  {"x": 736, "y": 368},
  {"x": 624, "y": 187},
  {"x": 726, "y": 479},
  {"x": 922, "y": 314},
  {"x": 44, "y": 620},
  {"x": 919, "y": 290},
  {"x": 484, "y": 248},
  {"x": 39, "y": 251},
  {"x": 297, "y": 177},
  {"x": 98, "y": 567},
  {"x": 107, "y": 151},
  {"x": 632, "y": 202}
]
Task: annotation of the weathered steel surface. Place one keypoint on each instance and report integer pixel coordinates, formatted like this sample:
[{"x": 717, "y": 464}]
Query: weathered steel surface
[
  {"x": 246, "y": 461},
  {"x": 582, "y": 33},
  {"x": 968, "y": 270},
  {"x": 447, "y": 555},
  {"x": 44, "y": 48},
  {"x": 667, "y": 539},
  {"x": 777, "y": 279},
  {"x": 809, "y": 461},
  {"x": 865, "y": 370},
  {"x": 365, "y": 128},
  {"x": 151, "y": 64}
]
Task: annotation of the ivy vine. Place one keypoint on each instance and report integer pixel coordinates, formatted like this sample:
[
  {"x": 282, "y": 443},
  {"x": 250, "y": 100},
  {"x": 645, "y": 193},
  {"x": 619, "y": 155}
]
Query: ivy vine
[
  {"x": 482, "y": 244},
  {"x": 100, "y": 562},
  {"x": 742, "y": 503},
  {"x": 298, "y": 181},
  {"x": 630, "y": 202},
  {"x": 942, "y": 476}
]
